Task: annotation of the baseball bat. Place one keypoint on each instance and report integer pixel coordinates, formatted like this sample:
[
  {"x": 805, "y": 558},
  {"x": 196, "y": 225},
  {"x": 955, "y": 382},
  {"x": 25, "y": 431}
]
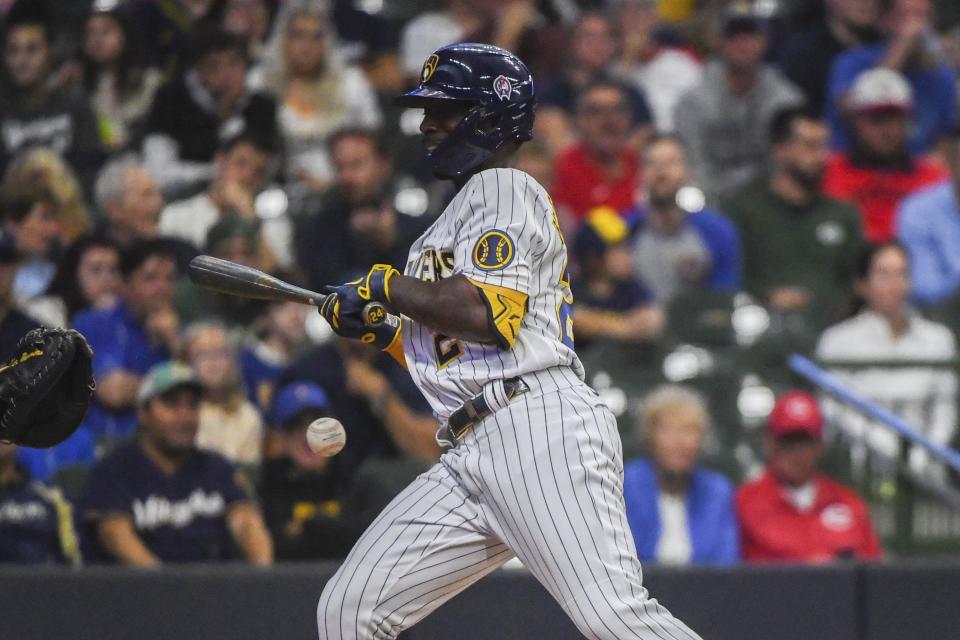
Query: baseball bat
[{"x": 240, "y": 280}]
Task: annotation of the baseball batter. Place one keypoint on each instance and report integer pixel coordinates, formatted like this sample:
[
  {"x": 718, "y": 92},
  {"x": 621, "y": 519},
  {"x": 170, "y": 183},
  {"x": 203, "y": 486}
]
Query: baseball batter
[{"x": 533, "y": 467}]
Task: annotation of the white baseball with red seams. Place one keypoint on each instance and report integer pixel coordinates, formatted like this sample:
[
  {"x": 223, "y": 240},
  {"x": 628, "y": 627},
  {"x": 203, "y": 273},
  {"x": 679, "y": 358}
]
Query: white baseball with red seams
[{"x": 326, "y": 436}]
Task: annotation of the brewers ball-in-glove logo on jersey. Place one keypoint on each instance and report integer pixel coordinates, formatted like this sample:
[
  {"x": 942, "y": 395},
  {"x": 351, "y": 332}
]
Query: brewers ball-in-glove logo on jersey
[{"x": 494, "y": 250}]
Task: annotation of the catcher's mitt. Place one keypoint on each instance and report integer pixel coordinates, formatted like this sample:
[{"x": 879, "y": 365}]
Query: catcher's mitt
[{"x": 45, "y": 388}]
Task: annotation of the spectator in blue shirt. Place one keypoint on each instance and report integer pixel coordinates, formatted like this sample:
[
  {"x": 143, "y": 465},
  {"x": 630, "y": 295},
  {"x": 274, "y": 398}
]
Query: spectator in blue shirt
[
  {"x": 910, "y": 48},
  {"x": 928, "y": 225},
  {"x": 679, "y": 244},
  {"x": 160, "y": 499},
  {"x": 138, "y": 333},
  {"x": 679, "y": 513},
  {"x": 36, "y": 522}
]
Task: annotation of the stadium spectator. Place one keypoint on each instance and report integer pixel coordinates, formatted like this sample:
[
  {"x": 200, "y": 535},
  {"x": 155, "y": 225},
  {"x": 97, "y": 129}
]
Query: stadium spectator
[
  {"x": 911, "y": 49},
  {"x": 167, "y": 26},
  {"x": 355, "y": 223},
  {"x": 28, "y": 214},
  {"x": 679, "y": 513},
  {"x": 13, "y": 322},
  {"x": 675, "y": 249},
  {"x": 34, "y": 109},
  {"x": 130, "y": 201},
  {"x": 229, "y": 423},
  {"x": 139, "y": 332},
  {"x": 426, "y": 32},
  {"x": 301, "y": 491},
  {"x": 591, "y": 53},
  {"x": 87, "y": 277},
  {"x": 660, "y": 70},
  {"x": 806, "y": 51},
  {"x": 243, "y": 165},
  {"x": 888, "y": 330},
  {"x": 193, "y": 115},
  {"x": 250, "y": 21},
  {"x": 50, "y": 169},
  {"x": 115, "y": 75},
  {"x": 36, "y": 522},
  {"x": 602, "y": 169},
  {"x": 237, "y": 240},
  {"x": 317, "y": 95},
  {"x": 799, "y": 246},
  {"x": 793, "y": 513},
  {"x": 159, "y": 499},
  {"x": 878, "y": 170},
  {"x": 612, "y": 304},
  {"x": 278, "y": 336},
  {"x": 534, "y": 159},
  {"x": 724, "y": 120},
  {"x": 928, "y": 225}
]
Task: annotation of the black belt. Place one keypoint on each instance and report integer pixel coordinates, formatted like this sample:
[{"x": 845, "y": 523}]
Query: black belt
[{"x": 476, "y": 409}]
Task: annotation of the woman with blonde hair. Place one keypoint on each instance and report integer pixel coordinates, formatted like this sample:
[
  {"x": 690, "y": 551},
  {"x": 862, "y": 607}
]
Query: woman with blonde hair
[
  {"x": 229, "y": 423},
  {"x": 47, "y": 167},
  {"x": 679, "y": 513},
  {"x": 317, "y": 95}
]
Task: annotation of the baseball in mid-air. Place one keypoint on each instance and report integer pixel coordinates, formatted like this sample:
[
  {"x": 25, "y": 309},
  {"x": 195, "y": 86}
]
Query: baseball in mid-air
[{"x": 326, "y": 436}]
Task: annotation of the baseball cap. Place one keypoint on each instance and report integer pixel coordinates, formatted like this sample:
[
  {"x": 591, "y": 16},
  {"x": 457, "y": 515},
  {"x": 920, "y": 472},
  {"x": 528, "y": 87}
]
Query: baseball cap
[
  {"x": 741, "y": 17},
  {"x": 295, "y": 398},
  {"x": 880, "y": 89},
  {"x": 795, "y": 412},
  {"x": 603, "y": 227},
  {"x": 166, "y": 377}
]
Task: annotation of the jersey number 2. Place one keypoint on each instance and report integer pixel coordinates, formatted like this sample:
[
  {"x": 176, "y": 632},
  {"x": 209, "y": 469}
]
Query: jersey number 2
[{"x": 447, "y": 349}]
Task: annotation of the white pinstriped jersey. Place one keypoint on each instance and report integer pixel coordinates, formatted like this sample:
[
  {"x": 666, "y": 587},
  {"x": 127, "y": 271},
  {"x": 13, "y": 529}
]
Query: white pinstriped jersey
[{"x": 501, "y": 230}]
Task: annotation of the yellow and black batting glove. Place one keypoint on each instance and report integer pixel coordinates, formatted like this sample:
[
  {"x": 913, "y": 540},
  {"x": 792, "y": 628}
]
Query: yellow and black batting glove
[
  {"x": 376, "y": 284},
  {"x": 345, "y": 310}
]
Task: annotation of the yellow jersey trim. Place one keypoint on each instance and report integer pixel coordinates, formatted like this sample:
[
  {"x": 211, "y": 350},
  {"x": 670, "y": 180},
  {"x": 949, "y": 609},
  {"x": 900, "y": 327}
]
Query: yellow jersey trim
[{"x": 505, "y": 311}]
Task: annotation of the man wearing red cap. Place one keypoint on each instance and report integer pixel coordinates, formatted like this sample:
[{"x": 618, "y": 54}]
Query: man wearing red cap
[{"x": 793, "y": 513}]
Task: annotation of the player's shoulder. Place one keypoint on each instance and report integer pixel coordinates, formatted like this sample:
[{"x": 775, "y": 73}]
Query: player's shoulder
[{"x": 506, "y": 180}]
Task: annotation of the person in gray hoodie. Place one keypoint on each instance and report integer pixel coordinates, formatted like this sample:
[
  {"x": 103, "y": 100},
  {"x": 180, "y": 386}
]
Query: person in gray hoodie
[{"x": 724, "y": 120}]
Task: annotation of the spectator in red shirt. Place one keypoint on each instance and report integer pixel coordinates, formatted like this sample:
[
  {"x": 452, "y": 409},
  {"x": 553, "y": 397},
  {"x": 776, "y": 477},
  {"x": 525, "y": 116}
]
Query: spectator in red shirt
[
  {"x": 793, "y": 513},
  {"x": 602, "y": 169},
  {"x": 878, "y": 171}
]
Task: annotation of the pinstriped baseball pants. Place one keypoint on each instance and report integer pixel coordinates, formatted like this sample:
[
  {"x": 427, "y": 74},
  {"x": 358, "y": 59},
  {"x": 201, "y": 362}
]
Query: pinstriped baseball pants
[{"x": 541, "y": 479}]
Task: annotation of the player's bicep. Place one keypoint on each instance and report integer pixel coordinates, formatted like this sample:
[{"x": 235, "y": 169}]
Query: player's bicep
[
  {"x": 505, "y": 310},
  {"x": 502, "y": 231}
]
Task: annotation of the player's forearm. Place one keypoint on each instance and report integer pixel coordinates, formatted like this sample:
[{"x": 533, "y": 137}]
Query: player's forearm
[{"x": 451, "y": 306}]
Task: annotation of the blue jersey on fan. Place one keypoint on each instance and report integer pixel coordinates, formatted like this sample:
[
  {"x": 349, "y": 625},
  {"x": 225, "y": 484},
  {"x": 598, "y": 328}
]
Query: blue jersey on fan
[
  {"x": 119, "y": 343},
  {"x": 36, "y": 523},
  {"x": 180, "y": 517}
]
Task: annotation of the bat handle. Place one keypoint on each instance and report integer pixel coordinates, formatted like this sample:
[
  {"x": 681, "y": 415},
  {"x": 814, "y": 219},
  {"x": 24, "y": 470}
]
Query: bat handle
[{"x": 375, "y": 315}]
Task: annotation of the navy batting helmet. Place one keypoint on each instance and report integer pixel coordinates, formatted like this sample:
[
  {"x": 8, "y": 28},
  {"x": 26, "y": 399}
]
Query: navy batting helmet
[{"x": 499, "y": 88}]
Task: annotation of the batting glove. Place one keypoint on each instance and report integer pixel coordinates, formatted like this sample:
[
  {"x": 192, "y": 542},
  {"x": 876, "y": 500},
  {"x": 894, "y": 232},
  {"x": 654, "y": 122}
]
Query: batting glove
[
  {"x": 343, "y": 309},
  {"x": 376, "y": 284}
]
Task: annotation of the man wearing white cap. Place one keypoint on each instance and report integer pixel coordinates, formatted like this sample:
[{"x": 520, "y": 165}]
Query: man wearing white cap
[
  {"x": 910, "y": 47},
  {"x": 878, "y": 171}
]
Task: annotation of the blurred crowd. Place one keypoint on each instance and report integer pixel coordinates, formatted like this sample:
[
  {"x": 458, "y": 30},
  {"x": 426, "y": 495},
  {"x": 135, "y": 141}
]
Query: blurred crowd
[{"x": 795, "y": 161}]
